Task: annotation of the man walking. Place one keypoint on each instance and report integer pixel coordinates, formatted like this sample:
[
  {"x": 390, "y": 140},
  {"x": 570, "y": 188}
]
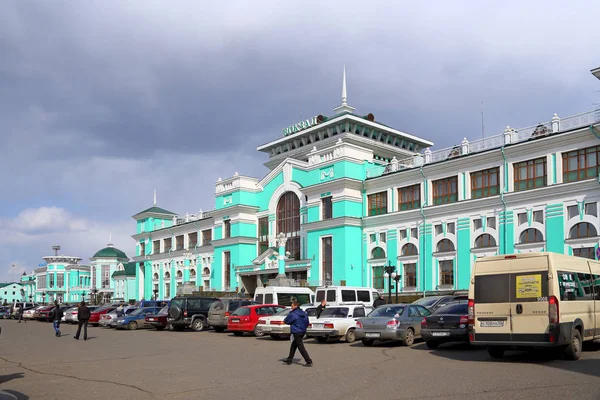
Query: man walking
[
  {"x": 21, "y": 310},
  {"x": 55, "y": 316},
  {"x": 379, "y": 302},
  {"x": 298, "y": 322},
  {"x": 321, "y": 307},
  {"x": 83, "y": 316}
]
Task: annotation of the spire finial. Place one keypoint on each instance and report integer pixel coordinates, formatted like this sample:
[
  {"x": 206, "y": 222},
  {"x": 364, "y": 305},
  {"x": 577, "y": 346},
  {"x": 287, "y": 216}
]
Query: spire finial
[
  {"x": 154, "y": 197},
  {"x": 344, "y": 108},
  {"x": 344, "y": 94},
  {"x": 110, "y": 243}
]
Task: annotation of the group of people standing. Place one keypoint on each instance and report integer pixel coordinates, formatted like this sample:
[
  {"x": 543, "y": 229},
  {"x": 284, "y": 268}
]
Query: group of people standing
[{"x": 83, "y": 317}]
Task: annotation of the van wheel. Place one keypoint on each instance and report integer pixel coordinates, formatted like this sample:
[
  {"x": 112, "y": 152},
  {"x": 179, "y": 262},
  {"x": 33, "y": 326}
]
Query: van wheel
[
  {"x": 198, "y": 325},
  {"x": 350, "y": 336},
  {"x": 496, "y": 352},
  {"x": 573, "y": 350},
  {"x": 431, "y": 344}
]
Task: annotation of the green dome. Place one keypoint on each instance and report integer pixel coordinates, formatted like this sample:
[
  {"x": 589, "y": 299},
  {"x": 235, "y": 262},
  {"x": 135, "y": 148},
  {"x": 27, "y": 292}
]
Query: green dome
[{"x": 110, "y": 252}]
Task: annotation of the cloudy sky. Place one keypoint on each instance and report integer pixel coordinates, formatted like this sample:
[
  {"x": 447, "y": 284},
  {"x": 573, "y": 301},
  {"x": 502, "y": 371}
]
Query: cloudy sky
[{"x": 103, "y": 101}]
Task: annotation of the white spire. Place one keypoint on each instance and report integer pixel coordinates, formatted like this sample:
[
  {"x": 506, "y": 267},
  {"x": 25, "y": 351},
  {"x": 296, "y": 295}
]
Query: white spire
[
  {"x": 155, "y": 197},
  {"x": 344, "y": 108},
  {"x": 110, "y": 243}
]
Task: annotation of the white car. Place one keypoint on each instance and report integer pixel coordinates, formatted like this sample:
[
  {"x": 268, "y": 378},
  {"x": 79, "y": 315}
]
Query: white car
[
  {"x": 274, "y": 326},
  {"x": 337, "y": 322},
  {"x": 109, "y": 320},
  {"x": 30, "y": 314}
]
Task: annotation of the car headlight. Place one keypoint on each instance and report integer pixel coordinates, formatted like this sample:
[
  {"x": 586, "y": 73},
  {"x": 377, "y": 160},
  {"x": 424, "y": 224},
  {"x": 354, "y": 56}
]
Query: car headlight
[{"x": 120, "y": 320}]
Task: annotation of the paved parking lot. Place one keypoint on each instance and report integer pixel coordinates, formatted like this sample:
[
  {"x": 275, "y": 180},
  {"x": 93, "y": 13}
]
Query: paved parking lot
[{"x": 209, "y": 365}]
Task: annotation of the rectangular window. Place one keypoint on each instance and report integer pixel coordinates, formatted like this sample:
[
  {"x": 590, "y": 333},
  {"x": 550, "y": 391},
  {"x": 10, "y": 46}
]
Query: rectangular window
[
  {"x": 530, "y": 174},
  {"x": 372, "y": 237},
  {"x": 402, "y": 234},
  {"x": 438, "y": 229},
  {"x": 142, "y": 248},
  {"x": 105, "y": 276},
  {"x": 348, "y": 295},
  {"x": 575, "y": 286},
  {"x": 409, "y": 198},
  {"x": 226, "y": 229},
  {"x": 179, "y": 242},
  {"x": 445, "y": 190},
  {"x": 377, "y": 203},
  {"x": 326, "y": 249},
  {"x": 477, "y": 224},
  {"x": 156, "y": 247},
  {"x": 451, "y": 228},
  {"x": 485, "y": 183},
  {"x": 168, "y": 245},
  {"x": 206, "y": 237},
  {"x": 378, "y": 277},
  {"x": 227, "y": 268},
  {"x": 572, "y": 211},
  {"x": 60, "y": 280},
  {"x": 363, "y": 296},
  {"x": 414, "y": 233},
  {"x": 447, "y": 273},
  {"x": 522, "y": 218},
  {"x": 382, "y": 237},
  {"x": 51, "y": 281},
  {"x": 410, "y": 275},
  {"x": 192, "y": 240},
  {"x": 591, "y": 209},
  {"x": 538, "y": 216},
  {"x": 41, "y": 282},
  {"x": 581, "y": 164},
  {"x": 263, "y": 234},
  {"x": 167, "y": 290},
  {"x": 93, "y": 271},
  {"x": 491, "y": 222},
  {"x": 327, "y": 210},
  {"x": 585, "y": 252}
]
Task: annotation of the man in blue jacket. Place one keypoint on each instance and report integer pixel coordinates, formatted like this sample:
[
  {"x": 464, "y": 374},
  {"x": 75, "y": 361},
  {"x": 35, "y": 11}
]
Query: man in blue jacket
[{"x": 298, "y": 322}]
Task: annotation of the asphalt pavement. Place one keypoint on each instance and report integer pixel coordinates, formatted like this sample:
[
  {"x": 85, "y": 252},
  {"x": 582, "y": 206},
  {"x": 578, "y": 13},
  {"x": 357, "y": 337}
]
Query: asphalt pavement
[{"x": 144, "y": 364}]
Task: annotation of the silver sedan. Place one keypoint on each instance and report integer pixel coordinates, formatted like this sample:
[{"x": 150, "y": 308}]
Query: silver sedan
[{"x": 392, "y": 322}]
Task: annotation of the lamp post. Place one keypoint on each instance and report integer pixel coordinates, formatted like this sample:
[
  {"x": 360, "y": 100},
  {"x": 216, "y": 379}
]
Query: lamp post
[
  {"x": 83, "y": 296},
  {"x": 44, "y": 298},
  {"x": 389, "y": 273},
  {"x": 30, "y": 296},
  {"x": 155, "y": 294},
  {"x": 397, "y": 279},
  {"x": 95, "y": 292}
]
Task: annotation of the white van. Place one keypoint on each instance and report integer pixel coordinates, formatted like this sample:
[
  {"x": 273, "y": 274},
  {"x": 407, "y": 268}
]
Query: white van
[
  {"x": 534, "y": 300},
  {"x": 284, "y": 295},
  {"x": 336, "y": 295}
]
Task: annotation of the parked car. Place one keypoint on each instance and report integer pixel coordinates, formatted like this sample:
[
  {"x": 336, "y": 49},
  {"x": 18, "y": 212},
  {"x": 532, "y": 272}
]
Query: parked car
[
  {"x": 44, "y": 313},
  {"x": 245, "y": 319},
  {"x": 151, "y": 303},
  {"x": 137, "y": 319},
  {"x": 14, "y": 308},
  {"x": 392, "y": 322},
  {"x": 98, "y": 313},
  {"x": 449, "y": 323},
  {"x": 190, "y": 311},
  {"x": 32, "y": 313},
  {"x": 159, "y": 320},
  {"x": 219, "y": 312},
  {"x": 4, "y": 311},
  {"x": 274, "y": 326},
  {"x": 109, "y": 319},
  {"x": 434, "y": 302},
  {"x": 71, "y": 313},
  {"x": 337, "y": 322}
]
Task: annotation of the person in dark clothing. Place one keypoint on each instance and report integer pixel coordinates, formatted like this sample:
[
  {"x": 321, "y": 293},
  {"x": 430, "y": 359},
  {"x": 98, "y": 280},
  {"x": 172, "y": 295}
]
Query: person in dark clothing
[
  {"x": 55, "y": 316},
  {"x": 297, "y": 319},
  {"x": 83, "y": 317},
  {"x": 321, "y": 307},
  {"x": 379, "y": 302},
  {"x": 21, "y": 309}
]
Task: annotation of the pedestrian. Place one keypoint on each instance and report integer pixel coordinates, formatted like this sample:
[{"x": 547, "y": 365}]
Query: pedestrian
[
  {"x": 379, "y": 302},
  {"x": 55, "y": 316},
  {"x": 297, "y": 319},
  {"x": 120, "y": 312},
  {"x": 21, "y": 311},
  {"x": 83, "y": 316},
  {"x": 321, "y": 307}
]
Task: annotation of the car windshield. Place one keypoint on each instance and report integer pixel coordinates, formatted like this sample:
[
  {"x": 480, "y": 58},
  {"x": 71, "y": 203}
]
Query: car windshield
[
  {"x": 426, "y": 301},
  {"x": 164, "y": 310},
  {"x": 453, "y": 309},
  {"x": 242, "y": 311},
  {"x": 335, "y": 312},
  {"x": 387, "y": 311},
  {"x": 311, "y": 312},
  {"x": 103, "y": 308},
  {"x": 283, "y": 313}
]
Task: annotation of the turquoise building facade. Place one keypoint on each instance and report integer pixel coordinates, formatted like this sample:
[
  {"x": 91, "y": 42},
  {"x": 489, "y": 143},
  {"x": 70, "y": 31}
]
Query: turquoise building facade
[{"x": 11, "y": 292}]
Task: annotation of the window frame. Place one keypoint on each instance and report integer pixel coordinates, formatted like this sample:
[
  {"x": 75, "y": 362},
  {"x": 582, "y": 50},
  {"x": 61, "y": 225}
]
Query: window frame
[
  {"x": 581, "y": 156},
  {"x": 412, "y": 194},
  {"x": 445, "y": 274},
  {"x": 531, "y": 172},
  {"x": 327, "y": 207},
  {"x": 377, "y": 203},
  {"x": 486, "y": 190},
  {"x": 445, "y": 190}
]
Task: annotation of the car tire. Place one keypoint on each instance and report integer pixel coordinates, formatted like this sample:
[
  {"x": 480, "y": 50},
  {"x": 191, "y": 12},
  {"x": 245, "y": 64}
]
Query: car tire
[
  {"x": 132, "y": 326},
  {"x": 496, "y": 351},
  {"x": 258, "y": 332},
  {"x": 367, "y": 342},
  {"x": 219, "y": 329},
  {"x": 431, "y": 344},
  {"x": 410, "y": 337},
  {"x": 573, "y": 350},
  {"x": 198, "y": 325},
  {"x": 350, "y": 336},
  {"x": 238, "y": 333},
  {"x": 322, "y": 339}
]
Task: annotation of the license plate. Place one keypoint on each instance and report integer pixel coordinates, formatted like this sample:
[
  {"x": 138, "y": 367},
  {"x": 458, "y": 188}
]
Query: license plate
[
  {"x": 491, "y": 324},
  {"x": 318, "y": 326},
  {"x": 440, "y": 333},
  {"x": 235, "y": 320},
  {"x": 372, "y": 334}
]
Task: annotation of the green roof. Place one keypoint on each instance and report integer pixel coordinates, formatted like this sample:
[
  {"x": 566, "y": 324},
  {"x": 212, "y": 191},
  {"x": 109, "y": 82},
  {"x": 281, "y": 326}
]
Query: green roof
[
  {"x": 156, "y": 210},
  {"x": 8, "y": 284},
  {"x": 110, "y": 252},
  {"x": 129, "y": 270}
]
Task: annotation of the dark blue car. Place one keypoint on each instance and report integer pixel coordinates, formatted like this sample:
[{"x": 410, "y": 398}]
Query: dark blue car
[{"x": 136, "y": 319}]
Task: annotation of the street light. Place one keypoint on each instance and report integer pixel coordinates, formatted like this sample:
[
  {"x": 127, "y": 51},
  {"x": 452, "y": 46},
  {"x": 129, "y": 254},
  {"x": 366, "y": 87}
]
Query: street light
[
  {"x": 397, "y": 279},
  {"x": 155, "y": 294},
  {"x": 389, "y": 273},
  {"x": 44, "y": 298},
  {"x": 95, "y": 292},
  {"x": 83, "y": 296}
]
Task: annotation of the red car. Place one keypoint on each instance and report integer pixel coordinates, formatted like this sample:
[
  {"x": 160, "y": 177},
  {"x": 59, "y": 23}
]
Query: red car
[
  {"x": 159, "y": 321},
  {"x": 44, "y": 313},
  {"x": 98, "y": 313},
  {"x": 245, "y": 319}
]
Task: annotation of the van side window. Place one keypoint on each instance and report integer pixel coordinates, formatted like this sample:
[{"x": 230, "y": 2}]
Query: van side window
[
  {"x": 259, "y": 298},
  {"x": 331, "y": 295},
  {"x": 597, "y": 286},
  {"x": 348, "y": 295},
  {"x": 268, "y": 299},
  {"x": 363, "y": 296},
  {"x": 320, "y": 295},
  {"x": 575, "y": 286}
]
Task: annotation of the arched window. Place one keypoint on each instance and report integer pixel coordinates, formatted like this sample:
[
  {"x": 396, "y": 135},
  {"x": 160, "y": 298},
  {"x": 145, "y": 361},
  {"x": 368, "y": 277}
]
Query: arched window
[
  {"x": 192, "y": 273},
  {"x": 531, "y": 235},
  {"x": 409, "y": 249},
  {"x": 288, "y": 222},
  {"x": 206, "y": 271},
  {"x": 377, "y": 252},
  {"x": 445, "y": 245},
  {"x": 582, "y": 230},
  {"x": 179, "y": 274},
  {"x": 485, "y": 240},
  {"x": 155, "y": 276},
  {"x": 167, "y": 275}
]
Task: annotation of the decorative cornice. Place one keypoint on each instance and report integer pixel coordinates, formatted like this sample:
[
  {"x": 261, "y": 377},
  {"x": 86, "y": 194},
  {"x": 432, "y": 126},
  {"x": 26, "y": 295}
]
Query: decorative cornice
[
  {"x": 332, "y": 223},
  {"x": 234, "y": 240}
]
